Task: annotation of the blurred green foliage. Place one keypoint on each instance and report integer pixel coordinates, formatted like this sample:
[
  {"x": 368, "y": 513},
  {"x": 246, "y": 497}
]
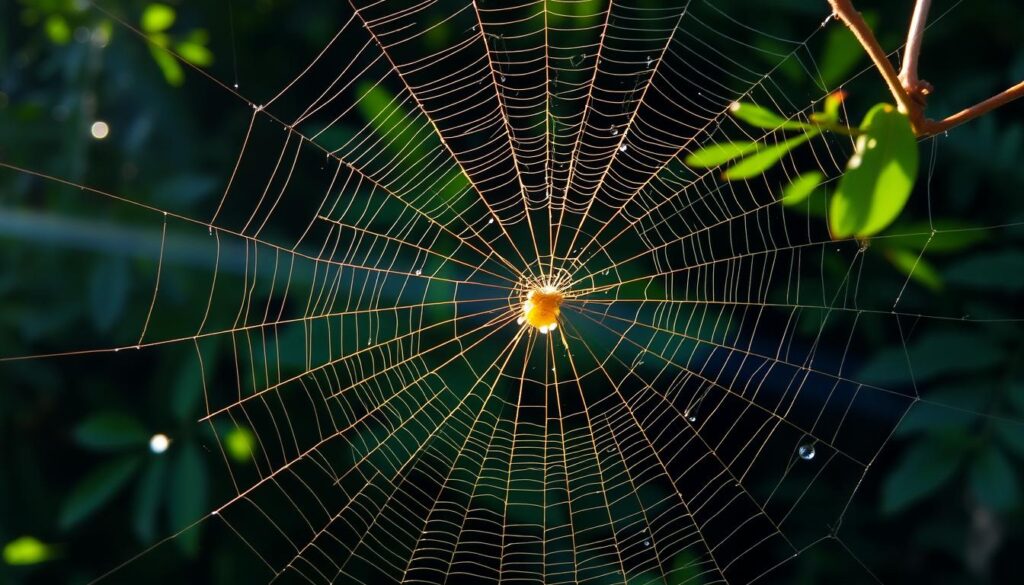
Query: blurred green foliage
[{"x": 79, "y": 476}]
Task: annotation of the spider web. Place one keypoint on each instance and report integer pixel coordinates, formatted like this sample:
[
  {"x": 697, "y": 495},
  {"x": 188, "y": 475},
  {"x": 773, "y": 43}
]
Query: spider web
[{"x": 389, "y": 209}]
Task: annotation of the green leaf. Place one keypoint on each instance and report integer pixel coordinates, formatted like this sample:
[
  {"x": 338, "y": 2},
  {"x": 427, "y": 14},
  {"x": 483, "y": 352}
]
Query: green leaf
[
  {"x": 188, "y": 387},
  {"x": 687, "y": 569},
  {"x": 802, "y": 186},
  {"x": 157, "y": 18},
  {"x": 717, "y": 154},
  {"x": 830, "y": 111},
  {"x": 842, "y": 52},
  {"x": 195, "y": 53},
  {"x": 1001, "y": 271},
  {"x": 936, "y": 354},
  {"x": 110, "y": 430},
  {"x": 925, "y": 467},
  {"x": 1011, "y": 434},
  {"x": 27, "y": 550},
  {"x": 239, "y": 443},
  {"x": 951, "y": 408},
  {"x": 993, "y": 481},
  {"x": 108, "y": 289},
  {"x": 169, "y": 66},
  {"x": 96, "y": 489},
  {"x": 765, "y": 158},
  {"x": 57, "y": 29},
  {"x": 1016, "y": 396},
  {"x": 879, "y": 176},
  {"x": 914, "y": 266},
  {"x": 761, "y": 117},
  {"x": 951, "y": 236},
  {"x": 188, "y": 496},
  {"x": 147, "y": 499}
]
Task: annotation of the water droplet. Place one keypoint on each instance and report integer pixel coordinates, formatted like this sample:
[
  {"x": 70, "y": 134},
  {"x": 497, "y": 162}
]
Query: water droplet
[
  {"x": 502, "y": 78},
  {"x": 647, "y": 542},
  {"x": 622, "y": 148},
  {"x": 806, "y": 452},
  {"x": 159, "y": 443},
  {"x": 418, "y": 272}
]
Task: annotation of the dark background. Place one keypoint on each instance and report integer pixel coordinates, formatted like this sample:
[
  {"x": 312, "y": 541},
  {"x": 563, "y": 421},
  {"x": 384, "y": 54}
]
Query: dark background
[{"x": 942, "y": 503}]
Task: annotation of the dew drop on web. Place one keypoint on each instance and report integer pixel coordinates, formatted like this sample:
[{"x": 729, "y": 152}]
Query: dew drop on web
[{"x": 806, "y": 452}]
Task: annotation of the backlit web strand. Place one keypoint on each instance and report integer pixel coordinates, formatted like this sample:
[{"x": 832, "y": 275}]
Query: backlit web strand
[{"x": 390, "y": 212}]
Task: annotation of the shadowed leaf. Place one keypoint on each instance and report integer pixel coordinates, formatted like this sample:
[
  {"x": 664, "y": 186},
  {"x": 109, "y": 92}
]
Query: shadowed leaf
[{"x": 96, "y": 489}]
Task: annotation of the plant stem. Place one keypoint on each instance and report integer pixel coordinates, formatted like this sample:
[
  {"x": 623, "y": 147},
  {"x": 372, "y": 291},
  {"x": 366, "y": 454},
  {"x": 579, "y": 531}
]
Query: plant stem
[
  {"x": 845, "y": 11},
  {"x": 908, "y": 73},
  {"x": 840, "y": 129},
  {"x": 906, "y": 88},
  {"x": 932, "y": 127}
]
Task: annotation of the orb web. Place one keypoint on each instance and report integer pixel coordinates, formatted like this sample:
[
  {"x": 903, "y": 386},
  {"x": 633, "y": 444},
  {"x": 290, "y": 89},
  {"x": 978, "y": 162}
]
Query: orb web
[{"x": 391, "y": 208}]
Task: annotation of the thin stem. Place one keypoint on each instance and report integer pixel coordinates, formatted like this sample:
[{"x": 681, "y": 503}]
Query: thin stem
[
  {"x": 845, "y": 11},
  {"x": 915, "y": 34},
  {"x": 840, "y": 129},
  {"x": 905, "y": 87},
  {"x": 932, "y": 127}
]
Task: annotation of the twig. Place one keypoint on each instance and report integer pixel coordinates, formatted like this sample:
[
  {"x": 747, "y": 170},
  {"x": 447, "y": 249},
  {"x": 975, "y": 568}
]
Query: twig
[
  {"x": 906, "y": 88},
  {"x": 932, "y": 127},
  {"x": 853, "y": 19},
  {"x": 908, "y": 73}
]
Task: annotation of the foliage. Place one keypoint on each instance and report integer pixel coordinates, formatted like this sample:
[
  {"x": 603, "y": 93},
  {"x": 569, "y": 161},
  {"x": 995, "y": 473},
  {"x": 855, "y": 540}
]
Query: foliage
[{"x": 85, "y": 477}]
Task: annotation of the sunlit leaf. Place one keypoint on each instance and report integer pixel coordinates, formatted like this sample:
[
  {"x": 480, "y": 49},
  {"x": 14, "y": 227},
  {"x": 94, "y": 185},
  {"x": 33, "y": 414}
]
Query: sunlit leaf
[
  {"x": 169, "y": 66},
  {"x": 913, "y": 265},
  {"x": 96, "y": 490},
  {"x": 764, "y": 158},
  {"x": 799, "y": 188},
  {"x": 879, "y": 176},
  {"x": 924, "y": 468},
  {"x": 719, "y": 153},
  {"x": 239, "y": 443},
  {"x": 762, "y": 117},
  {"x": 27, "y": 550},
  {"x": 833, "y": 101},
  {"x": 188, "y": 496},
  {"x": 993, "y": 480},
  {"x": 157, "y": 18},
  {"x": 57, "y": 29},
  {"x": 195, "y": 53},
  {"x": 110, "y": 430}
]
